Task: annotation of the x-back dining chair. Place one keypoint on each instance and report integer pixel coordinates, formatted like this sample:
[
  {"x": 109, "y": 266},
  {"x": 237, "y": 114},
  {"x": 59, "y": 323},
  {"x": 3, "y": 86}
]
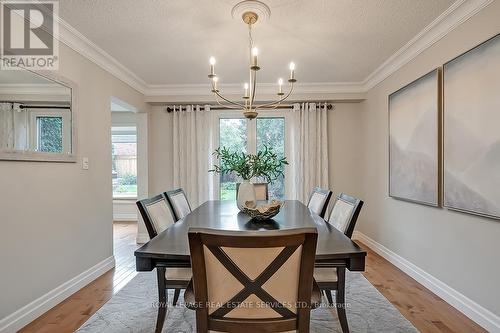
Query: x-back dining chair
[
  {"x": 178, "y": 203},
  {"x": 318, "y": 201},
  {"x": 155, "y": 213},
  {"x": 261, "y": 190},
  {"x": 252, "y": 282},
  {"x": 344, "y": 215}
]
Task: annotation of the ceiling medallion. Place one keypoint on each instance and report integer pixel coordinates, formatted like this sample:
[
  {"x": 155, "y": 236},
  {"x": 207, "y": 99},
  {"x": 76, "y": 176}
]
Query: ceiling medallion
[{"x": 251, "y": 12}]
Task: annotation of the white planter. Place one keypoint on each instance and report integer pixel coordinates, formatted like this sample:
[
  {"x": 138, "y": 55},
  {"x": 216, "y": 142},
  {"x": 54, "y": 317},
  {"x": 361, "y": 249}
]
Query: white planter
[{"x": 246, "y": 192}]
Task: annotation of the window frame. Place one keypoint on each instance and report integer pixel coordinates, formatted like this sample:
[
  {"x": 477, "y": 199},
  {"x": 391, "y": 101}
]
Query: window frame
[
  {"x": 128, "y": 131},
  {"x": 252, "y": 139},
  {"x": 47, "y": 113}
]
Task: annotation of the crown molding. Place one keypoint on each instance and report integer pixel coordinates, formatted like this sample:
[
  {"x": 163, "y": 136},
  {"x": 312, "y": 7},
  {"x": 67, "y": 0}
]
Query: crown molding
[
  {"x": 82, "y": 45},
  {"x": 33, "y": 89},
  {"x": 267, "y": 89},
  {"x": 450, "y": 19}
]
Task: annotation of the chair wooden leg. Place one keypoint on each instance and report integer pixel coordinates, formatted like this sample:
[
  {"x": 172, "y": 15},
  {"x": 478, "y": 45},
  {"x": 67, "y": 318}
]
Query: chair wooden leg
[
  {"x": 162, "y": 299},
  {"x": 340, "y": 299},
  {"x": 177, "y": 292},
  {"x": 329, "y": 296}
]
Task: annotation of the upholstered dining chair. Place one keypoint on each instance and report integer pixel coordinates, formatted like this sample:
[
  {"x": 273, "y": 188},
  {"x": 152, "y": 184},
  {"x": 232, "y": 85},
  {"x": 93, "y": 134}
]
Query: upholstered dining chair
[
  {"x": 155, "y": 213},
  {"x": 261, "y": 191},
  {"x": 318, "y": 201},
  {"x": 344, "y": 215},
  {"x": 252, "y": 282},
  {"x": 178, "y": 203}
]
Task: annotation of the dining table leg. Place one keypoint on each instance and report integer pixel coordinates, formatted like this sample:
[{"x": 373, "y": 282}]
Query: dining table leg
[
  {"x": 162, "y": 299},
  {"x": 340, "y": 299}
]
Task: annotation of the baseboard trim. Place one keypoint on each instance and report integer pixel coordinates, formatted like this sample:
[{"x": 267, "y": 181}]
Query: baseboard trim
[
  {"x": 33, "y": 310},
  {"x": 142, "y": 238},
  {"x": 482, "y": 316}
]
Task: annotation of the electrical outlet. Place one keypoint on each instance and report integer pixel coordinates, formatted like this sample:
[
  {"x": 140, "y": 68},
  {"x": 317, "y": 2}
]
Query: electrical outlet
[{"x": 85, "y": 163}]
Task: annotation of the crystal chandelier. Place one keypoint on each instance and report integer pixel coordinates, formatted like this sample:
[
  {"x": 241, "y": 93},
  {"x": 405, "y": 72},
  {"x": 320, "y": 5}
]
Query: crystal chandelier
[{"x": 248, "y": 99}]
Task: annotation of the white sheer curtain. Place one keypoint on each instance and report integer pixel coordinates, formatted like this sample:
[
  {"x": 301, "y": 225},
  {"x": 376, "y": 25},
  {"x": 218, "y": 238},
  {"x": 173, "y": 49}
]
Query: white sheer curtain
[
  {"x": 192, "y": 152},
  {"x": 6, "y": 126},
  {"x": 13, "y": 127},
  {"x": 309, "y": 150}
]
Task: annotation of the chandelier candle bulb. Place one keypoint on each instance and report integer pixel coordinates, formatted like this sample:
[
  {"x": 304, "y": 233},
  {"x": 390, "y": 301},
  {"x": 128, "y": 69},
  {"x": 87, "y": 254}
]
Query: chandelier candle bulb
[
  {"x": 255, "y": 53},
  {"x": 246, "y": 90},
  {"x": 212, "y": 67},
  {"x": 280, "y": 86},
  {"x": 292, "y": 72}
]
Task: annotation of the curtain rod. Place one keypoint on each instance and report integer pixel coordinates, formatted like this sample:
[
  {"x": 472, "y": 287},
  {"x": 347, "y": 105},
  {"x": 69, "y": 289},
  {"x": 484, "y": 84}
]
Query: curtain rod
[
  {"x": 44, "y": 107},
  {"x": 169, "y": 109},
  {"x": 24, "y": 106}
]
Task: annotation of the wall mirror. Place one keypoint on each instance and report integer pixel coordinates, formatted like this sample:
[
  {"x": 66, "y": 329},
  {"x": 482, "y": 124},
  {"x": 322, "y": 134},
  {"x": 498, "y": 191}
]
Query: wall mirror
[{"x": 37, "y": 117}]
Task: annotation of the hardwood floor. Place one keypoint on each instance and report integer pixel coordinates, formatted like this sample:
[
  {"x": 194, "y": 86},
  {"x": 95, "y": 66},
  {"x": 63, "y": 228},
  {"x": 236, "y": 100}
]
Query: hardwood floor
[{"x": 426, "y": 311}]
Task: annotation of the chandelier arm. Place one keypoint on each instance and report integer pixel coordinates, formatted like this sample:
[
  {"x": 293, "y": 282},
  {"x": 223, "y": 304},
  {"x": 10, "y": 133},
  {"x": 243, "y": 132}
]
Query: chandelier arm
[
  {"x": 278, "y": 101},
  {"x": 238, "y": 105},
  {"x": 228, "y": 106},
  {"x": 232, "y": 107},
  {"x": 274, "y": 106}
]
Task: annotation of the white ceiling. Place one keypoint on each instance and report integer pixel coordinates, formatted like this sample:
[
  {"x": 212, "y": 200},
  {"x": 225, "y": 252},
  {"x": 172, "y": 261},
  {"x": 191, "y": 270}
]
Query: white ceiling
[{"x": 169, "y": 42}]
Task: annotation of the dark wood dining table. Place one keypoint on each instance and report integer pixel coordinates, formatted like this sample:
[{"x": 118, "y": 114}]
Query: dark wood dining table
[{"x": 171, "y": 249}]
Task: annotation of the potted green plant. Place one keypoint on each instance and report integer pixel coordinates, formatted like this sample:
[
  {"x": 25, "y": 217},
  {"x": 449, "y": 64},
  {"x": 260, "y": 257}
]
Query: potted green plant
[{"x": 265, "y": 164}]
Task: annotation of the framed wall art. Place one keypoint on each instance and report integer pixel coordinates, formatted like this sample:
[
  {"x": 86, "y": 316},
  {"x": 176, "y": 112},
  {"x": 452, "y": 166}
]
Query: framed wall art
[
  {"x": 414, "y": 140},
  {"x": 471, "y": 130}
]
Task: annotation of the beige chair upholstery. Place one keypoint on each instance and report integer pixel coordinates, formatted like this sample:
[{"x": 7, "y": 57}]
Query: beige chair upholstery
[
  {"x": 318, "y": 201},
  {"x": 178, "y": 274},
  {"x": 341, "y": 215},
  {"x": 261, "y": 191},
  {"x": 222, "y": 285},
  {"x": 325, "y": 274},
  {"x": 159, "y": 215},
  {"x": 180, "y": 205}
]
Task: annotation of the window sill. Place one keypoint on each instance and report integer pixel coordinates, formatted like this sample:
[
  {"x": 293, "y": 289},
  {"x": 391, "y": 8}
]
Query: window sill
[{"x": 124, "y": 198}]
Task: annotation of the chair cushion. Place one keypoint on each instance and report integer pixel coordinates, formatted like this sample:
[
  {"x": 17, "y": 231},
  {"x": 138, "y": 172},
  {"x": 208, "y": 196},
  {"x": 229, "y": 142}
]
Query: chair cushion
[
  {"x": 178, "y": 274},
  {"x": 325, "y": 274},
  {"x": 180, "y": 205},
  {"x": 317, "y": 202},
  {"x": 341, "y": 215},
  {"x": 160, "y": 215}
]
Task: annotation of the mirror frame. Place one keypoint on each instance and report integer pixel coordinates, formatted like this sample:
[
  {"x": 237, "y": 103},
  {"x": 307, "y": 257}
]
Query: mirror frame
[{"x": 25, "y": 155}]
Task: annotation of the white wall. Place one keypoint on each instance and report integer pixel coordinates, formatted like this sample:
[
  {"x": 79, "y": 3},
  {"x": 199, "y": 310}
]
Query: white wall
[
  {"x": 56, "y": 217},
  {"x": 345, "y": 139},
  {"x": 160, "y": 151},
  {"x": 460, "y": 250}
]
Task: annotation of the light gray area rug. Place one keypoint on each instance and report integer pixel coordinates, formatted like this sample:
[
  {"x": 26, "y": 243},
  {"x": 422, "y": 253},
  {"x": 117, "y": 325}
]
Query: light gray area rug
[{"x": 133, "y": 309}]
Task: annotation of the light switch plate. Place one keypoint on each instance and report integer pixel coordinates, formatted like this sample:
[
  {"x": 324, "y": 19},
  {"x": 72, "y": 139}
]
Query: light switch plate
[{"x": 85, "y": 163}]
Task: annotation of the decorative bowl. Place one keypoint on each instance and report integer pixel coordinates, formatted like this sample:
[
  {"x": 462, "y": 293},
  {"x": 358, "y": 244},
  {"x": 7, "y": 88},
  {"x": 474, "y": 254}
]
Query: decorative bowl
[{"x": 262, "y": 212}]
